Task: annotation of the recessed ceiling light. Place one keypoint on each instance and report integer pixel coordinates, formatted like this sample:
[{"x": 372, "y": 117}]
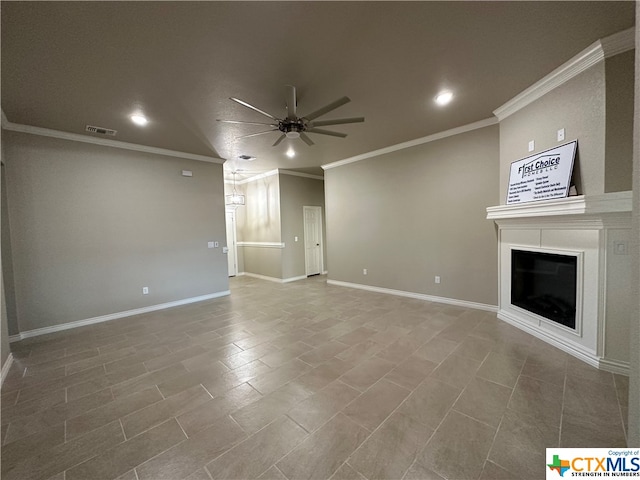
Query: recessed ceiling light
[
  {"x": 291, "y": 153},
  {"x": 139, "y": 119},
  {"x": 443, "y": 98}
]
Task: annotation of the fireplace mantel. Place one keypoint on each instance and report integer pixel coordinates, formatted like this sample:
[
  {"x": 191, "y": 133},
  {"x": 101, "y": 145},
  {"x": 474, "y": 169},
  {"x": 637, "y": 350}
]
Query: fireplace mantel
[
  {"x": 597, "y": 227},
  {"x": 618, "y": 202}
]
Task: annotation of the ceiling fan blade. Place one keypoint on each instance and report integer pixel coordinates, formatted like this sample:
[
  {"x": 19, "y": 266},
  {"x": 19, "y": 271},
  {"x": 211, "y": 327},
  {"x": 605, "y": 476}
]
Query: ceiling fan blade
[
  {"x": 291, "y": 102},
  {"x": 247, "y": 123},
  {"x": 326, "y": 132},
  {"x": 277, "y": 142},
  {"x": 338, "y": 121},
  {"x": 328, "y": 108},
  {"x": 245, "y": 104},
  {"x": 256, "y": 134},
  {"x": 305, "y": 138}
]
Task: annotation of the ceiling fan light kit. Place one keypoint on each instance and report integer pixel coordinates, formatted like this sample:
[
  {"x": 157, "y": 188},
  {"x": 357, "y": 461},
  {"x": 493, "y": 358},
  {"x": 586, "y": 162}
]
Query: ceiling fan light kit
[{"x": 293, "y": 126}]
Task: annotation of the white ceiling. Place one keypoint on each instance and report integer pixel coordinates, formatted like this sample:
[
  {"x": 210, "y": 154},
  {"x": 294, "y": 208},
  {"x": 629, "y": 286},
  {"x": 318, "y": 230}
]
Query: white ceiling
[{"x": 68, "y": 64}]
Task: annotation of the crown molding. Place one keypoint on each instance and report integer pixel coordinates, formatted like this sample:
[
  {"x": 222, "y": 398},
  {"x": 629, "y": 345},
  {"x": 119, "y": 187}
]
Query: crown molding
[
  {"x": 589, "y": 57},
  {"x": 619, "y": 42},
  {"x": 300, "y": 174},
  {"x": 258, "y": 177},
  {"x": 412, "y": 143},
  {"x": 592, "y": 55},
  {"x": 105, "y": 142}
]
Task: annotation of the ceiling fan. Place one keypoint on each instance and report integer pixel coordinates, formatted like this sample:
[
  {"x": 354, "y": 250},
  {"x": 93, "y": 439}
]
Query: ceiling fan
[{"x": 293, "y": 126}]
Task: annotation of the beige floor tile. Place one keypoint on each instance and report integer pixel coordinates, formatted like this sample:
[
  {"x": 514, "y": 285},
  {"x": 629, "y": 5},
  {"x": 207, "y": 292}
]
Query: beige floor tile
[
  {"x": 356, "y": 336},
  {"x": 400, "y": 349},
  {"x": 420, "y": 472},
  {"x": 277, "y": 377},
  {"x": 180, "y": 383},
  {"x": 227, "y": 381},
  {"x": 43, "y": 440},
  {"x": 111, "y": 411},
  {"x": 576, "y": 368},
  {"x": 552, "y": 374},
  {"x": 436, "y": 350},
  {"x": 263, "y": 411},
  {"x": 578, "y": 433},
  {"x": 321, "y": 376},
  {"x": 126, "y": 456},
  {"x": 314, "y": 411},
  {"x": 191, "y": 455},
  {"x": 345, "y": 472},
  {"x": 456, "y": 370},
  {"x": 360, "y": 351},
  {"x": 458, "y": 448},
  {"x": 173, "y": 358},
  {"x": 200, "y": 474},
  {"x": 103, "y": 381},
  {"x": 148, "y": 380},
  {"x": 373, "y": 406},
  {"x": 324, "y": 352},
  {"x": 521, "y": 442},
  {"x": 439, "y": 397},
  {"x": 273, "y": 474},
  {"x": 491, "y": 471},
  {"x": 590, "y": 402},
  {"x": 475, "y": 348},
  {"x": 199, "y": 418},
  {"x": 392, "y": 448},
  {"x": 484, "y": 401},
  {"x": 537, "y": 399},
  {"x": 157, "y": 413},
  {"x": 60, "y": 457},
  {"x": 56, "y": 415},
  {"x": 279, "y": 358},
  {"x": 259, "y": 452},
  {"x": 248, "y": 356},
  {"x": 410, "y": 373},
  {"x": 367, "y": 373},
  {"x": 502, "y": 369},
  {"x": 324, "y": 451}
]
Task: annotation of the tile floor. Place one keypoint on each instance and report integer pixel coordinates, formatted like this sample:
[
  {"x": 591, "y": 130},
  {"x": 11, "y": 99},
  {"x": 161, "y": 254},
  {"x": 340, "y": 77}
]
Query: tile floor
[{"x": 297, "y": 381}]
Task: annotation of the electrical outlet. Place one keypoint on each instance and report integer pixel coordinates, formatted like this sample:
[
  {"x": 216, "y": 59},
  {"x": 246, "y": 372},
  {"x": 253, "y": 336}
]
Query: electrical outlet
[
  {"x": 561, "y": 134},
  {"x": 364, "y": 271},
  {"x": 145, "y": 290},
  {"x": 216, "y": 244},
  {"x": 532, "y": 145},
  {"x": 437, "y": 279}
]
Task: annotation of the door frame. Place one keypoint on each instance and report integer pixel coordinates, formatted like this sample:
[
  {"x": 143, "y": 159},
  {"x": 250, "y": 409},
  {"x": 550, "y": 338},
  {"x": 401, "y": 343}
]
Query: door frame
[
  {"x": 320, "y": 231},
  {"x": 230, "y": 213}
]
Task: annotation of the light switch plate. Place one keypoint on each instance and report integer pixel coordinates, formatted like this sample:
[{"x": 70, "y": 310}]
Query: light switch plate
[
  {"x": 210, "y": 245},
  {"x": 532, "y": 145},
  {"x": 561, "y": 134}
]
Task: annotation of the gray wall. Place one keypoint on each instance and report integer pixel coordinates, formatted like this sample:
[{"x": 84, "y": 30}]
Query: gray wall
[
  {"x": 259, "y": 221},
  {"x": 410, "y": 215},
  {"x": 92, "y": 225},
  {"x": 619, "y": 123},
  {"x": 578, "y": 106},
  {"x": 633, "y": 432},
  {"x": 4, "y": 330},
  {"x": 296, "y": 192}
]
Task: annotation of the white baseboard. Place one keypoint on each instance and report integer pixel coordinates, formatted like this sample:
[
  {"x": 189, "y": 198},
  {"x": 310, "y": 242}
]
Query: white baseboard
[
  {"x": 615, "y": 366},
  {"x": 5, "y": 368},
  {"x": 587, "y": 356},
  {"x": 274, "y": 279},
  {"x": 419, "y": 296},
  {"x": 113, "y": 316}
]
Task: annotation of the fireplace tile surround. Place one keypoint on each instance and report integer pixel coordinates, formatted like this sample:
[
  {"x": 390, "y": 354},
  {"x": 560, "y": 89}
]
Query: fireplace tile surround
[{"x": 598, "y": 230}]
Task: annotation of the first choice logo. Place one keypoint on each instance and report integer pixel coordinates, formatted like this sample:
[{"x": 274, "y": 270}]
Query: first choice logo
[{"x": 539, "y": 165}]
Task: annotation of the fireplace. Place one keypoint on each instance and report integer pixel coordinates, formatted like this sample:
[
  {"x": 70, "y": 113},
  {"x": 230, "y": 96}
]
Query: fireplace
[
  {"x": 564, "y": 271},
  {"x": 545, "y": 284}
]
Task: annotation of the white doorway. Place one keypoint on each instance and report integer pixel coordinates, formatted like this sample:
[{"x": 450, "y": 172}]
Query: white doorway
[
  {"x": 232, "y": 249},
  {"x": 313, "y": 258}
]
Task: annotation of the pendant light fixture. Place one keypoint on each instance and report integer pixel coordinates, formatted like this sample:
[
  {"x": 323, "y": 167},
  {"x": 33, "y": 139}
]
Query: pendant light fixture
[{"x": 235, "y": 199}]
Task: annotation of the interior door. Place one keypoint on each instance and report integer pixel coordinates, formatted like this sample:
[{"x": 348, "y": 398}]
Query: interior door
[
  {"x": 313, "y": 240},
  {"x": 232, "y": 251}
]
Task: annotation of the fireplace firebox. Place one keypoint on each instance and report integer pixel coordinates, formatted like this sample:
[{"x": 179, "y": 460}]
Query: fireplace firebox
[{"x": 545, "y": 284}]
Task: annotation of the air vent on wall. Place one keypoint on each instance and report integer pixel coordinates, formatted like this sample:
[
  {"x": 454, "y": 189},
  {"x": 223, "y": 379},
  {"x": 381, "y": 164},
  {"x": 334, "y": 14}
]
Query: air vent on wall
[{"x": 101, "y": 130}]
